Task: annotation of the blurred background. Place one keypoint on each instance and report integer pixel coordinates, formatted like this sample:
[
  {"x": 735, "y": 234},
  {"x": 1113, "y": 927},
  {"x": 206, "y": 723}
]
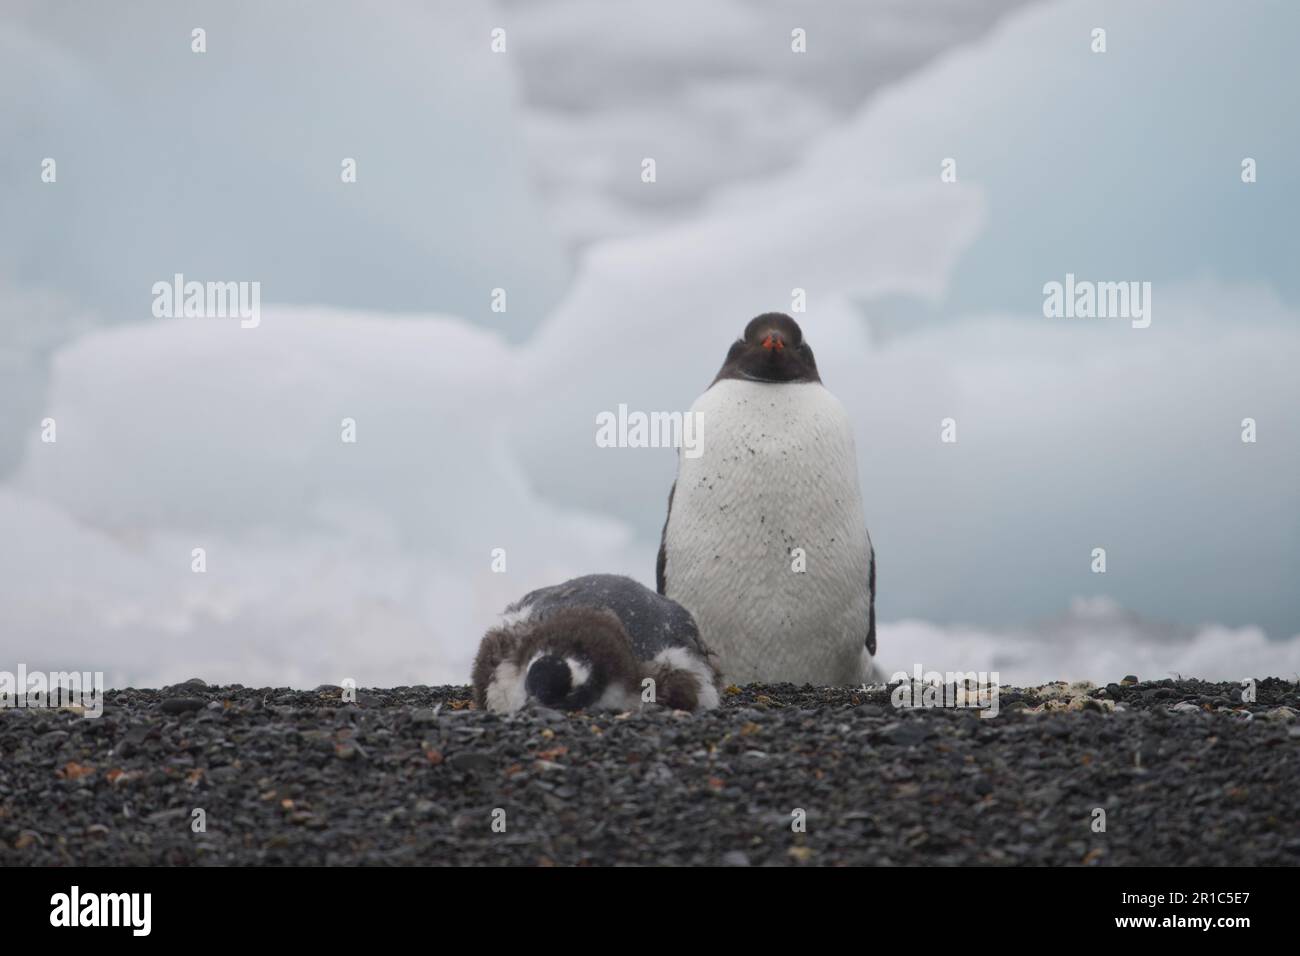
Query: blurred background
[{"x": 521, "y": 171}]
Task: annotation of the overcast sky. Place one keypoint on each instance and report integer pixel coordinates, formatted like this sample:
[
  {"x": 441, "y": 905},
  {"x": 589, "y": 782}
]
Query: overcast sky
[{"x": 522, "y": 171}]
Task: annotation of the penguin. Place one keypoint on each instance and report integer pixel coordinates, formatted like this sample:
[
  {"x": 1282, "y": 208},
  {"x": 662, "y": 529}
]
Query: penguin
[
  {"x": 589, "y": 644},
  {"x": 765, "y": 541}
]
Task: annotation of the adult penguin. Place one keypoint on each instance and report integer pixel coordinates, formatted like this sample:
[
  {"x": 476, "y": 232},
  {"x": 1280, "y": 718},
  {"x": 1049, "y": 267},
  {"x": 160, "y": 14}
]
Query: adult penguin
[{"x": 765, "y": 542}]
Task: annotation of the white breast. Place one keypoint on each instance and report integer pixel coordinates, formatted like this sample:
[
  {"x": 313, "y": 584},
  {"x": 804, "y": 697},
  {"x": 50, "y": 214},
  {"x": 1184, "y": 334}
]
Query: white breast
[{"x": 777, "y": 472}]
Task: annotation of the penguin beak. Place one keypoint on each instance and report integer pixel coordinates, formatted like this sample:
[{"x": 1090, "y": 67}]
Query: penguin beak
[{"x": 774, "y": 342}]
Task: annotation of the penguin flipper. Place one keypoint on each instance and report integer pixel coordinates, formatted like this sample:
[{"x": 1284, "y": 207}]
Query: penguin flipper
[
  {"x": 661, "y": 565},
  {"x": 871, "y": 606}
]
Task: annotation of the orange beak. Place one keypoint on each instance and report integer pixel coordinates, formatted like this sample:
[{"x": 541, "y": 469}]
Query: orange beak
[{"x": 774, "y": 341}]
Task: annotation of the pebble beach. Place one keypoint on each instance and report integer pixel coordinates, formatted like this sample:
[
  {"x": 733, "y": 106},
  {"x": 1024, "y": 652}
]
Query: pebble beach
[{"x": 1131, "y": 773}]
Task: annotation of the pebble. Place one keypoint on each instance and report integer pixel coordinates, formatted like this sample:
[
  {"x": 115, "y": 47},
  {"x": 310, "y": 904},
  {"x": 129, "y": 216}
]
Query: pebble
[
  {"x": 181, "y": 705},
  {"x": 905, "y": 733},
  {"x": 472, "y": 761}
]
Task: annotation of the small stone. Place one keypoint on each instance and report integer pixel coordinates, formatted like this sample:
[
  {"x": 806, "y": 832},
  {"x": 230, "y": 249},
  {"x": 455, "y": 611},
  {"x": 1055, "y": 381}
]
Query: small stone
[
  {"x": 1091, "y": 703},
  {"x": 168, "y": 816},
  {"x": 907, "y": 733},
  {"x": 181, "y": 705},
  {"x": 1128, "y": 681},
  {"x": 735, "y": 858},
  {"x": 1284, "y": 714},
  {"x": 427, "y": 809},
  {"x": 472, "y": 761}
]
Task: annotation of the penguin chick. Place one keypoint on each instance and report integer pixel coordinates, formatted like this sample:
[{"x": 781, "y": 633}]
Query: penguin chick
[{"x": 589, "y": 644}]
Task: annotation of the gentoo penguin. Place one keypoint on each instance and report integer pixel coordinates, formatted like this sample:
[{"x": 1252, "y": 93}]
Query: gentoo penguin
[
  {"x": 777, "y": 472},
  {"x": 589, "y": 644}
]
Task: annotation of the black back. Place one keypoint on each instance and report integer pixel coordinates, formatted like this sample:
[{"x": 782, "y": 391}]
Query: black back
[{"x": 653, "y": 622}]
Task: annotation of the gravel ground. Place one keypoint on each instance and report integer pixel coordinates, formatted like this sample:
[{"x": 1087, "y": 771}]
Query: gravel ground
[{"x": 1186, "y": 773}]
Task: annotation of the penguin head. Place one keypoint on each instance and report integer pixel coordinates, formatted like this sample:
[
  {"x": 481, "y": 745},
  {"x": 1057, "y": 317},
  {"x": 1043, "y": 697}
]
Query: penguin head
[
  {"x": 772, "y": 349},
  {"x": 579, "y": 658},
  {"x": 563, "y": 683}
]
